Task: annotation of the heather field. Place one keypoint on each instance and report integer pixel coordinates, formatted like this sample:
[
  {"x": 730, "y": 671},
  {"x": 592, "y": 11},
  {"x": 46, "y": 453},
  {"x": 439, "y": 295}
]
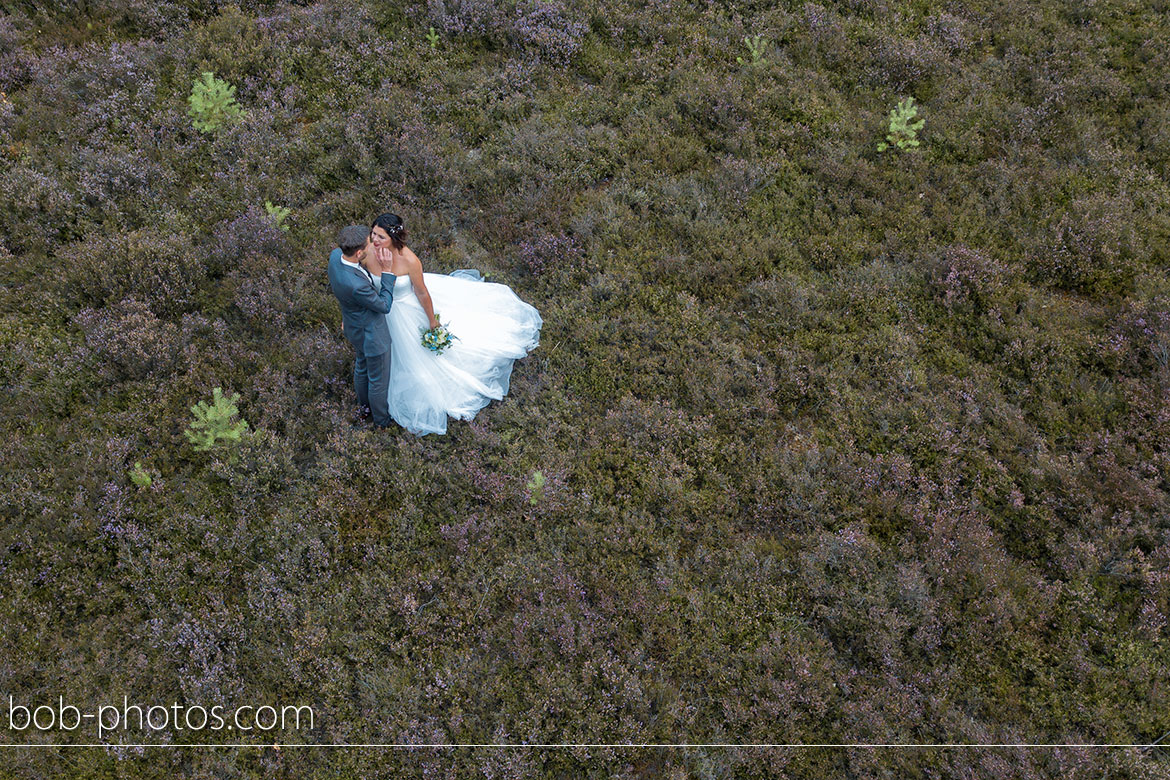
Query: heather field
[{"x": 822, "y": 444}]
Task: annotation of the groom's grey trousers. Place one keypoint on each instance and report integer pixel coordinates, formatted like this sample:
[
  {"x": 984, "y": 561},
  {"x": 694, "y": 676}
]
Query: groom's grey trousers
[{"x": 371, "y": 382}]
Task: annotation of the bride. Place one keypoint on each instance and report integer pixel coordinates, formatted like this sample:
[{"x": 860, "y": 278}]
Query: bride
[{"x": 492, "y": 326}]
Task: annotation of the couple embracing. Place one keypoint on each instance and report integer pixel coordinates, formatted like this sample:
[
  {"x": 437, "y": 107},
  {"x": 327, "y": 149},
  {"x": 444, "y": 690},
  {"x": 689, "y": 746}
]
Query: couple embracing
[{"x": 387, "y": 305}]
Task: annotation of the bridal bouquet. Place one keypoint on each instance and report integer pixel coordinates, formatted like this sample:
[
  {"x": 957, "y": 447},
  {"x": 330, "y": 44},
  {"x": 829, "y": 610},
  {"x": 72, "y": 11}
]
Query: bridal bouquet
[{"x": 437, "y": 339}]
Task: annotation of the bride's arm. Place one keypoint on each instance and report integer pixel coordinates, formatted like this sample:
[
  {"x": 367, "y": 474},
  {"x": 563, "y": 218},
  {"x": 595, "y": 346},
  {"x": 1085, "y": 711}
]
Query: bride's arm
[{"x": 420, "y": 291}]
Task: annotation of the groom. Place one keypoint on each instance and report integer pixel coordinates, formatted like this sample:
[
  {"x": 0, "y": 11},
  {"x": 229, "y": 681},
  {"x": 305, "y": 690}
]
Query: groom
[{"x": 365, "y": 297}]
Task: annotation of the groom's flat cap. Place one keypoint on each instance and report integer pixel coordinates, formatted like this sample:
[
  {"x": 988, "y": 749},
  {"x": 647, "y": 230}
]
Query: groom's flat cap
[{"x": 352, "y": 238}]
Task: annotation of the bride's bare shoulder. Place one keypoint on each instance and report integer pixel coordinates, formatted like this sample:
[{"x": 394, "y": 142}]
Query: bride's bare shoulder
[
  {"x": 409, "y": 258},
  {"x": 405, "y": 261}
]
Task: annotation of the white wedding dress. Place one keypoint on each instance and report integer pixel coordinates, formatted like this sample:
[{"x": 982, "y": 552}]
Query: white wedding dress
[{"x": 493, "y": 327}]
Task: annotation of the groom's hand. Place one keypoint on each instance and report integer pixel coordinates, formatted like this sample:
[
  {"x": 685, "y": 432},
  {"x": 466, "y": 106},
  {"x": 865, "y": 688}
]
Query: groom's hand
[{"x": 385, "y": 258}]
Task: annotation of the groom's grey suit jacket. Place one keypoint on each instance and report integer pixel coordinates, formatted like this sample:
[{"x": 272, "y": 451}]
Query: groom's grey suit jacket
[{"x": 363, "y": 307}]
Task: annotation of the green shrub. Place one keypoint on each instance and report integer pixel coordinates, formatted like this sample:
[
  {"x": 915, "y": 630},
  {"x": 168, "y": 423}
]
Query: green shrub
[
  {"x": 536, "y": 488},
  {"x": 212, "y": 103},
  {"x": 139, "y": 475},
  {"x": 278, "y": 214},
  {"x": 903, "y": 132},
  {"x": 214, "y": 422},
  {"x": 756, "y": 45}
]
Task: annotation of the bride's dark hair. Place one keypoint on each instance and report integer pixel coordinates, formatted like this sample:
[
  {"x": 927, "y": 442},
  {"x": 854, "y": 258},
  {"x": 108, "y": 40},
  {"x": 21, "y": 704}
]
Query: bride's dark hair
[{"x": 392, "y": 224}]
